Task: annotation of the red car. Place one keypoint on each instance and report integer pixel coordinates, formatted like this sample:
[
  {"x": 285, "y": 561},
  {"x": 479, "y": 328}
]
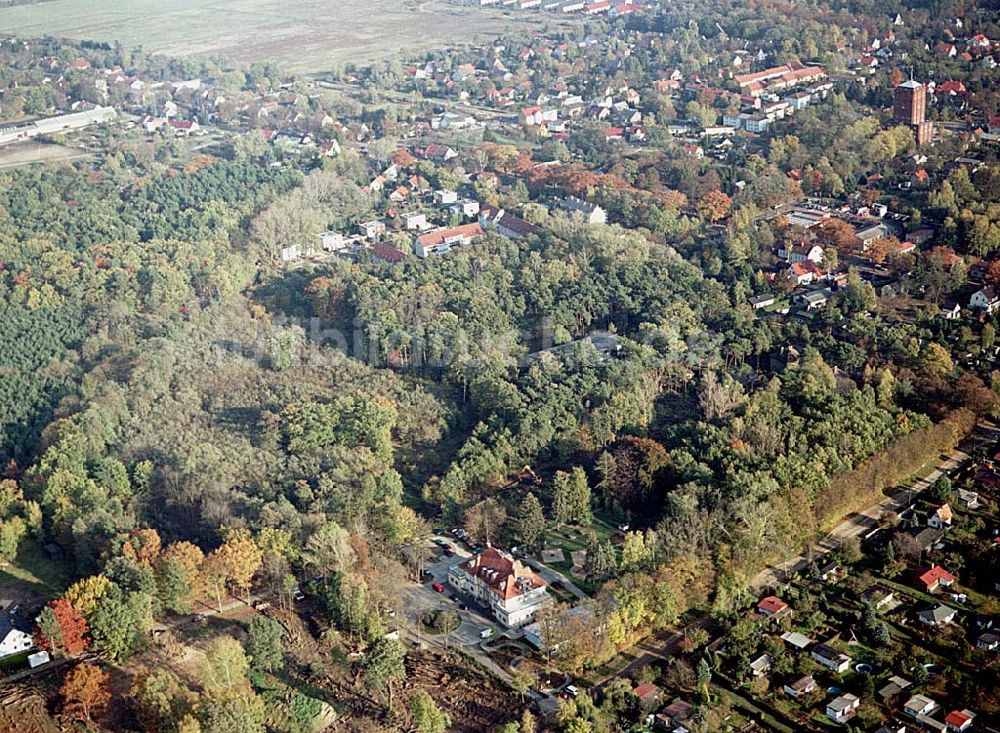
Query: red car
[{"x": 438, "y": 587}]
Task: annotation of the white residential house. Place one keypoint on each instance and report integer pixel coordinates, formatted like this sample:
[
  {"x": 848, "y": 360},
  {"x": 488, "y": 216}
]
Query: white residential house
[
  {"x": 959, "y": 721},
  {"x": 988, "y": 641},
  {"x": 415, "y": 220},
  {"x": 591, "y": 213},
  {"x": 734, "y": 120},
  {"x": 843, "y": 708},
  {"x": 830, "y": 658},
  {"x": 15, "y": 635},
  {"x": 951, "y": 311},
  {"x": 985, "y": 299},
  {"x": 801, "y": 253},
  {"x": 802, "y": 686},
  {"x": 760, "y": 666},
  {"x": 372, "y": 229},
  {"x": 332, "y": 241},
  {"x": 466, "y": 208},
  {"x": 757, "y": 123},
  {"x": 937, "y": 616},
  {"x": 442, "y": 241},
  {"x": 968, "y": 499},
  {"x": 512, "y": 591},
  {"x": 920, "y": 705},
  {"x": 445, "y": 197}
]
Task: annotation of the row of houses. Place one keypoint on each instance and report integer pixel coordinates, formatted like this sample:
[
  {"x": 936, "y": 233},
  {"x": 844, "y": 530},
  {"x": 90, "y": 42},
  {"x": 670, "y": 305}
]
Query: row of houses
[
  {"x": 843, "y": 707},
  {"x": 759, "y": 112}
]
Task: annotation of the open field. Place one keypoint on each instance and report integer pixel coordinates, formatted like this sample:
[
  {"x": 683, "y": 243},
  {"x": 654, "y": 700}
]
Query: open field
[
  {"x": 304, "y": 35},
  {"x": 27, "y": 153}
]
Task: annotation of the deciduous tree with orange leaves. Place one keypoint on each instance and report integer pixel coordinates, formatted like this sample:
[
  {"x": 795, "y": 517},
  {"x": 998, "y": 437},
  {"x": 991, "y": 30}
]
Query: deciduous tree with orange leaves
[
  {"x": 62, "y": 628},
  {"x": 714, "y": 206},
  {"x": 85, "y": 691},
  {"x": 233, "y": 563}
]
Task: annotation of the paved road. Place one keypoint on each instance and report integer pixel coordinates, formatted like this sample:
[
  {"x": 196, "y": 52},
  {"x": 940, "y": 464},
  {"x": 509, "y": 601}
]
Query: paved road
[{"x": 863, "y": 522}]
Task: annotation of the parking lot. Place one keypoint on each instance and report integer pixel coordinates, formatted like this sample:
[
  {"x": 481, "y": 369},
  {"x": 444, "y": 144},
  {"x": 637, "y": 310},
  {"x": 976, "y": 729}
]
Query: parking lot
[{"x": 423, "y": 598}]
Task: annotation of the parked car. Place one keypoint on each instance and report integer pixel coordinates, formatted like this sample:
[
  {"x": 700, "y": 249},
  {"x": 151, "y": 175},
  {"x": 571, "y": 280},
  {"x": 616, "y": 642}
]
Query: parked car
[
  {"x": 486, "y": 633},
  {"x": 438, "y": 587}
]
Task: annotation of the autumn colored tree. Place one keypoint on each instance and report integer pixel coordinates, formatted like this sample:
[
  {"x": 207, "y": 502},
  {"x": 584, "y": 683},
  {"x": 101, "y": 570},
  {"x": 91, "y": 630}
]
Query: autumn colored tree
[
  {"x": 881, "y": 248},
  {"x": 993, "y": 273},
  {"x": 714, "y": 206},
  {"x": 327, "y": 296},
  {"x": 837, "y": 233},
  {"x": 142, "y": 546},
  {"x": 62, "y": 628},
  {"x": 484, "y": 518},
  {"x": 85, "y": 691},
  {"x": 178, "y": 575},
  {"x": 404, "y": 159},
  {"x": 162, "y": 700},
  {"x": 85, "y": 594},
  {"x": 234, "y": 564}
]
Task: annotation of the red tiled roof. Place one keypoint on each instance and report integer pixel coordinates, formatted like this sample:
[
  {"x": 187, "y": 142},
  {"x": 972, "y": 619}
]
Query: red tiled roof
[
  {"x": 934, "y": 575},
  {"x": 387, "y": 253},
  {"x": 950, "y": 87},
  {"x": 501, "y": 573},
  {"x": 646, "y": 689},
  {"x": 803, "y": 268},
  {"x": 771, "y": 604},
  {"x": 439, "y": 236},
  {"x": 957, "y": 718}
]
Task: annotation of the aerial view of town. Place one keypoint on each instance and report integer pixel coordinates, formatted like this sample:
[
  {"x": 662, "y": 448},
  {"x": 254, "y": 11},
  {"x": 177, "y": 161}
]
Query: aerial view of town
[{"x": 499, "y": 366}]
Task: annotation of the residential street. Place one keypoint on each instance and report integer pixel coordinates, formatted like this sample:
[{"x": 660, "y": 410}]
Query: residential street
[{"x": 863, "y": 522}]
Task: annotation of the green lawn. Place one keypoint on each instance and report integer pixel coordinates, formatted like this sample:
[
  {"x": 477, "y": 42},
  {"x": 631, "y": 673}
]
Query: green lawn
[
  {"x": 573, "y": 538},
  {"x": 741, "y": 703},
  {"x": 34, "y": 573}
]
